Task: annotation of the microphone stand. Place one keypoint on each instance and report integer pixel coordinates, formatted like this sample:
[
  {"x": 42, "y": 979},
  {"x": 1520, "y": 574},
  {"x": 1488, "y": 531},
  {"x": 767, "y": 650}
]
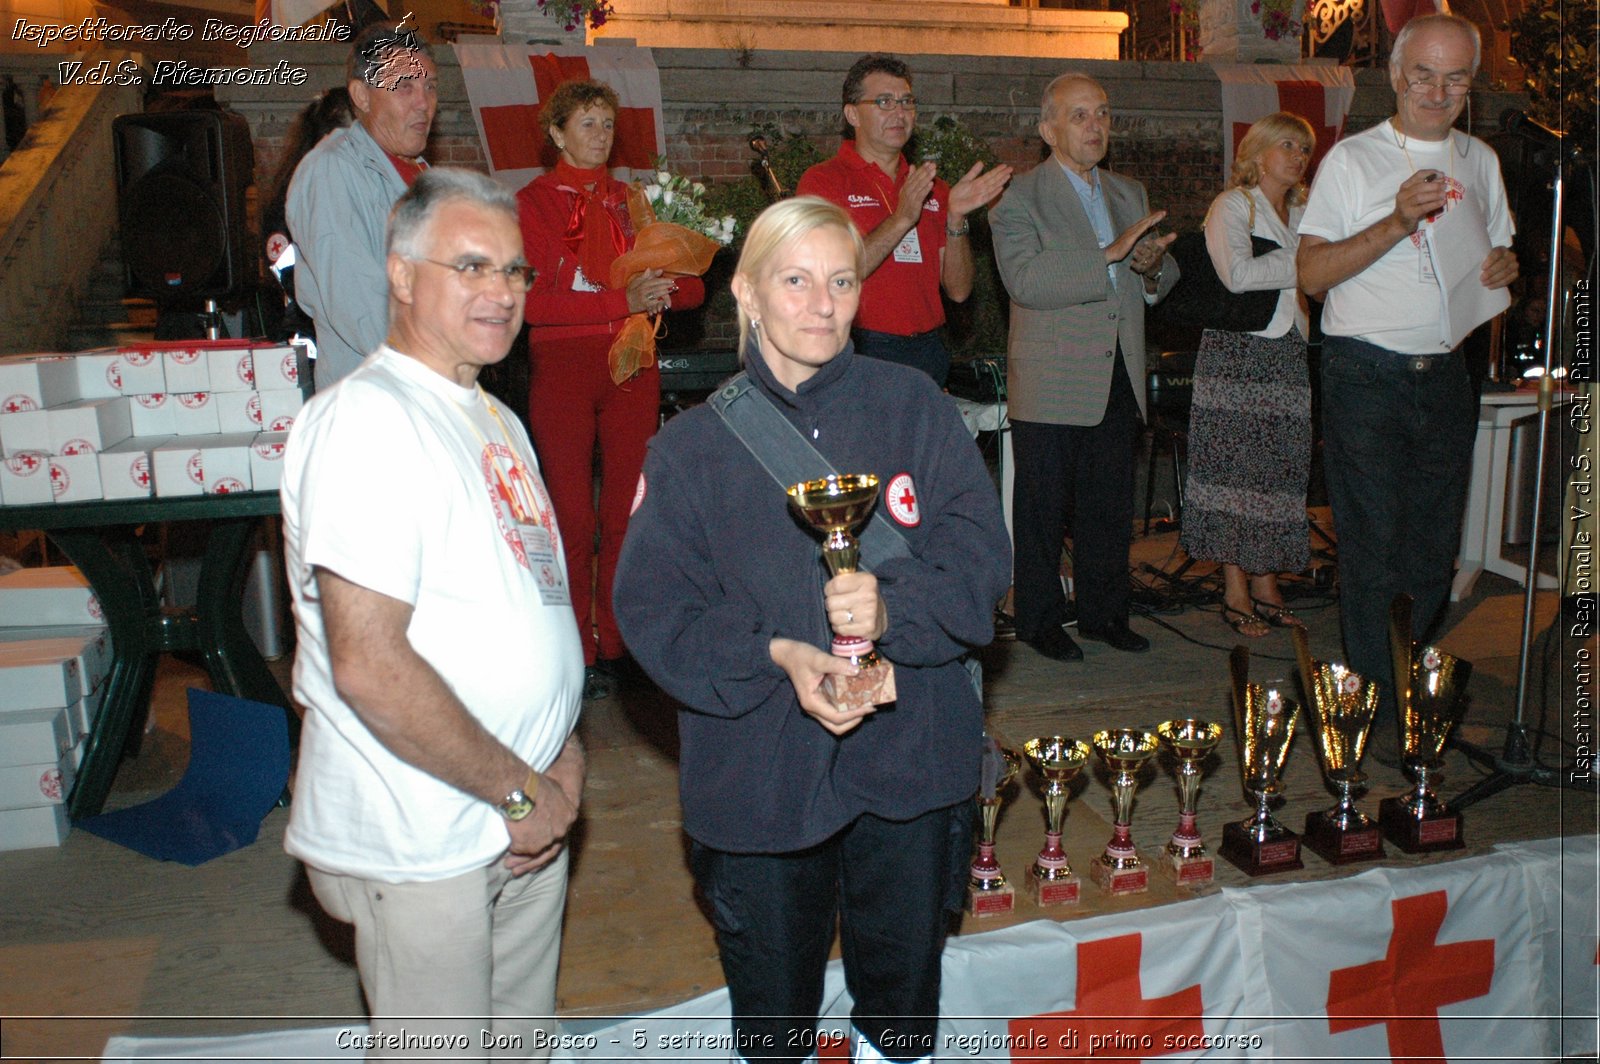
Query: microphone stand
[{"x": 1515, "y": 763}]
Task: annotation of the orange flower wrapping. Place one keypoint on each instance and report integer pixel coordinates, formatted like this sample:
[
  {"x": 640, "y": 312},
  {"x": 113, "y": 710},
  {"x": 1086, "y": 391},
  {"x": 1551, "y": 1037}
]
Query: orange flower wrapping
[{"x": 657, "y": 246}]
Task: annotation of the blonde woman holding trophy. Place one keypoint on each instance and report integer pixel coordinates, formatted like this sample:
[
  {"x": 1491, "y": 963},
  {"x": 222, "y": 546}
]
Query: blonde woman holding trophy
[{"x": 806, "y": 813}]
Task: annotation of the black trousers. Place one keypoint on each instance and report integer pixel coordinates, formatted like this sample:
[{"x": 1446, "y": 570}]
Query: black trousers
[
  {"x": 889, "y": 885},
  {"x": 924, "y": 351},
  {"x": 1076, "y": 478}
]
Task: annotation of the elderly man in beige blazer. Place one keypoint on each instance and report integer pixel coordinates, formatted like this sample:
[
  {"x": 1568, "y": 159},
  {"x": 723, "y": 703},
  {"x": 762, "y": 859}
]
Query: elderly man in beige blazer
[{"x": 1080, "y": 262}]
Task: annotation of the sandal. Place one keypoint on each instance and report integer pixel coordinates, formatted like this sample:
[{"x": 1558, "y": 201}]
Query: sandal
[
  {"x": 1279, "y": 616},
  {"x": 1246, "y": 624}
]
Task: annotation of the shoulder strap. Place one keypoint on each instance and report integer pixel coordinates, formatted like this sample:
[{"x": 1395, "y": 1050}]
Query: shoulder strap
[
  {"x": 789, "y": 458},
  {"x": 1251, "y": 200}
]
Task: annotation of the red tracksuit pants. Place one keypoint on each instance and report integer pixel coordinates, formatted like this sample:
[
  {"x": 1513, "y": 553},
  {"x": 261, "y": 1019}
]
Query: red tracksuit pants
[{"x": 572, "y": 405}]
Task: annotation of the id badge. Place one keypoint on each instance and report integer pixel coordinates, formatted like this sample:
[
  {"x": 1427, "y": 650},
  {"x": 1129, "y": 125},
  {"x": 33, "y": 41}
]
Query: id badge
[
  {"x": 1425, "y": 272},
  {"x": 537, "y": 545},
  {"x": 910, "y": 248}
]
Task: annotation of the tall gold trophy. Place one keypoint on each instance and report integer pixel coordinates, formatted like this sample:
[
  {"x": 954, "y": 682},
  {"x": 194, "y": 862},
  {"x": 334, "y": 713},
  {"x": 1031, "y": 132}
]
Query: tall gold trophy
[
  {"x": 1056, "y": 761},
  {"x": 1191, "y": 742},
  {"x": 1342, "y": 707},
  {"x": 1430, "y": 688},
  {"x": 988, "y": 893},
  {"x": 1119, "y": 869},
  {"x": 836, "y": 506},
  {"x": 1264, "y": 723}
]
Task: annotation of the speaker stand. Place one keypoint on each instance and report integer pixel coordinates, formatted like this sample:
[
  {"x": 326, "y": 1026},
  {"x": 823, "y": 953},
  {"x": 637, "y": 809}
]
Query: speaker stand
[{"x": 211, "y": 320}]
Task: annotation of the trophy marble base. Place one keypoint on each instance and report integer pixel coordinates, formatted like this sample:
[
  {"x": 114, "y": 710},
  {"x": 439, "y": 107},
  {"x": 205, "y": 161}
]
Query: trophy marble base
[
  {"x": 1430, "y": 834},
  {"x": 981, "y": 903},
  {"x": 1193, "y": 872},
  {"x": 1281, "y": 854},
  {"x": 1048, "y": 892},
  {"x": 1337, "y": 845},
  {"x": 1119, "y": 880}
]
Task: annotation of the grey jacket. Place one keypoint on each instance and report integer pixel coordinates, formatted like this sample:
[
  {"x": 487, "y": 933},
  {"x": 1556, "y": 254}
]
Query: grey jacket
[
  {"x": 1066, "y": 319},
  {"x": 338, "y": 210}
]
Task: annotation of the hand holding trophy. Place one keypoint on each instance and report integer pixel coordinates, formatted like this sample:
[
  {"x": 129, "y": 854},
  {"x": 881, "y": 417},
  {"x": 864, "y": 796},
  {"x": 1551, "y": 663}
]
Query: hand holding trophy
[{"x": 836, "y": 506}]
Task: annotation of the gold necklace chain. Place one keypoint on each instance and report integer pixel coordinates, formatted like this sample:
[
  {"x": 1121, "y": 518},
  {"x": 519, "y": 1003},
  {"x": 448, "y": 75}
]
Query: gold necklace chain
[{"x": 1449, "y": 153}]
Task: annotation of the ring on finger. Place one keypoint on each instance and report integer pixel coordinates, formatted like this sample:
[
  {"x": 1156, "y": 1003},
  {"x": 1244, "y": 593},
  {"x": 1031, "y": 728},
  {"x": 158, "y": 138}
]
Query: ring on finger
[{"x": 849, "y": 616}]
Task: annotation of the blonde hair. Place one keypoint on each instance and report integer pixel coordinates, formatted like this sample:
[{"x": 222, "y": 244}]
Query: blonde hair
[
  {"x": 1263, "y": 135},
  {"x": 774, "y": 229}
]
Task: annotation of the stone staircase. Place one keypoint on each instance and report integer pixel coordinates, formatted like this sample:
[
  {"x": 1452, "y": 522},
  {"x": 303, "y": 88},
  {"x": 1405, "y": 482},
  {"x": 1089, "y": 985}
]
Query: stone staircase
[{"x": 105, "y": 315}]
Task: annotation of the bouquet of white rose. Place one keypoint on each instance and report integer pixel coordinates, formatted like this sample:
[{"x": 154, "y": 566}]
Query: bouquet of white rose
[{"x": 680, "y": 201}]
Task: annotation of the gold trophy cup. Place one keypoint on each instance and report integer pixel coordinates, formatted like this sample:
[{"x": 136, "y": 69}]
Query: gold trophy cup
[
  {"x": 1430, "y": 689},
  {"x": 836, "y": 506},
  {"x": 1191, "y": 742},
  {"x": 1264, "y": 723},
  {"x": 1118, "y": 869},
  {"x": 1342, "y": 707},
  {"x": 988, "y": 893},
  {"x": 1056, "y": 761}
]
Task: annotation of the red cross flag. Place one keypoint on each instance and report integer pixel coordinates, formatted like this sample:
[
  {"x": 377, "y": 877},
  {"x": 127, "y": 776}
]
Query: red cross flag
[
  {"x": 1250, "y": 92},
  {"x": 506, "y": 84}
]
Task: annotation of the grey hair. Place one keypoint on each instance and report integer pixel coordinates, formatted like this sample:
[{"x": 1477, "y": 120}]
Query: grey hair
[
  {"x": 1438, "y": 21},
  {"x": 437, "y": 186},
  {"x": 1047, "y": 102}
]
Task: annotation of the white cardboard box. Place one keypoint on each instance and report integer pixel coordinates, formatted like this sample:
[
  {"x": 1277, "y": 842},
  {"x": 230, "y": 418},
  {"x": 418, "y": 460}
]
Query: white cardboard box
[
  {"x": 195, "y": 414},
  {"x": 75, "y": 477},
  {"x": 25, "y": 481},
  {"x": 280, "y": 366},
  {"x": 19, "y": 384},
  {"x": 278, "y": 408},
  {"x": 89, "y": 645},
  {"x": 25, "y": 430},
  {"x": 38, "y": 677},
  {"x": 139, "y": 366},
  {"x": 34, "y": 736},
  {"x": 86, "y": 375},
  {"x": 232, "y": 369},
  {"x": 90, "y": 425},
  {"x": 175, "y": 467},
  {"x": 125, "y": 467},
  {"x": 225, "y": 463},
  {"x": 54, "y": 595},
  {"x": 266, "y": 461},
  {"x": 187, "y": 369},
  {"x": 84, "y": 712},
  {"x": 28, "y": 786},
  {"x": 238, "y": 411},
  {"x": 151, "y": 414},
  {"x": 30, "y": 829}
]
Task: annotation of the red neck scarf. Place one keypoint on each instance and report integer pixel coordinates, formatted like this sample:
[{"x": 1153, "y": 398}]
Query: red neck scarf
[{"x": 596, "y": 228}]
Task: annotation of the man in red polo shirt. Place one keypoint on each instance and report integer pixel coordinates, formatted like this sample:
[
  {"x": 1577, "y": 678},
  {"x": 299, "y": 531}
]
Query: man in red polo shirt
[{"x": 914, "y": 225}]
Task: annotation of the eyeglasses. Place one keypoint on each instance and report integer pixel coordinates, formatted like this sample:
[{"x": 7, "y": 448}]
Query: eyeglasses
[
  {"x": 478, "y": 274},
  {"x": 887, "y": 102},
  {"x": 1451, "y": 86}
]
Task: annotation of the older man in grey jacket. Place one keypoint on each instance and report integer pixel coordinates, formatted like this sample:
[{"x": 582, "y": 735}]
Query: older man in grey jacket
[{"x": 1079, "y": 260}]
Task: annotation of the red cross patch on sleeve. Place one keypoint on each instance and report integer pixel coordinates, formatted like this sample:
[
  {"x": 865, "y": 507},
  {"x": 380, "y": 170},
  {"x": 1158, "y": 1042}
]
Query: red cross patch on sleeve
[{"x": 904, "y": 506}]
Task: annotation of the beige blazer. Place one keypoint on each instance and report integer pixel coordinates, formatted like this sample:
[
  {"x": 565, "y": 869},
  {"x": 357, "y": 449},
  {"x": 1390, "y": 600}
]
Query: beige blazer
[{"x": 1066, "y": 319}]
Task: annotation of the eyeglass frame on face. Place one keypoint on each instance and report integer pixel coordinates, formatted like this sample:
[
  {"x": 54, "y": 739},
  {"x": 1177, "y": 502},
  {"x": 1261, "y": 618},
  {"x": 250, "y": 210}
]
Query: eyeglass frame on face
[
  {"x": 476, "y": 274},
  {"x": 1424, "y": 85},
  {"x": 886, "y": 102}
]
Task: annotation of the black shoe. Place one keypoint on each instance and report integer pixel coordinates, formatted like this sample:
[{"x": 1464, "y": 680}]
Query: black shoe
[
  {"x": 596, "y": 684},
  {"x": 1056, "y": 645},
  {"x": 1005, "y": 626},
  {"x": 621, "y": 671},
  {"x": 1117, "y": 636}
]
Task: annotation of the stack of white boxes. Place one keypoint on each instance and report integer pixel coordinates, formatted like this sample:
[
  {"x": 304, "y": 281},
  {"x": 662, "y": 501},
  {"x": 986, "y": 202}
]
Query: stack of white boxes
[
  {"x": 52, "y": 680},
  {"x": 169, "y": 418}
]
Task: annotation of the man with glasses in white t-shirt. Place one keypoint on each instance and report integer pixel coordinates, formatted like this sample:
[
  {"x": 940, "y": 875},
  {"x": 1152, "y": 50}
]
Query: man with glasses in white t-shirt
[{"x": 1398, "y": 408}]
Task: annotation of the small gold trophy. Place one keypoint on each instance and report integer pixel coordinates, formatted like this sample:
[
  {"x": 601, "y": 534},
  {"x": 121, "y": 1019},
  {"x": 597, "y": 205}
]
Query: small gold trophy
[
  {"x": 1056, "y": 760},
  {"x": 1342, "y": 707},
  {"x": 1264, "y": 722},
  {"x": 1430, "y": 688},
  {"x": 1118, "y": 870},
  {"x": 988, "y": 893},
  {"x": 837, "y": 506},
  {"x": 1191, "y": 742}
]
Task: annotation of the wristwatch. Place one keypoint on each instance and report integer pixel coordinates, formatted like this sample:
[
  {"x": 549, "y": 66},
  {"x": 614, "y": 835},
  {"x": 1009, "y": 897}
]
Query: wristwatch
[{"x": 519, "y": 803}]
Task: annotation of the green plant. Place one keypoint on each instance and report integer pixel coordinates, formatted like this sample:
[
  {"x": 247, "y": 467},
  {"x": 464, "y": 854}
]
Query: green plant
[
  {"x": 571, "y": 13},
  {"x": 1554, "y": 43},
  {"x": 952, "y": 145}
]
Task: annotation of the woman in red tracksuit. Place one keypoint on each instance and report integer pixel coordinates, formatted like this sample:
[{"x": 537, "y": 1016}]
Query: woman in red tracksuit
[{"x": 575, "y": 222}]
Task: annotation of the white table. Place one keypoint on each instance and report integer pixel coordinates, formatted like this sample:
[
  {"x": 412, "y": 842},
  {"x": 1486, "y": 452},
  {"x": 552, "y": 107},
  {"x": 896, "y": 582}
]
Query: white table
[{"x": 1483, "y": 534}]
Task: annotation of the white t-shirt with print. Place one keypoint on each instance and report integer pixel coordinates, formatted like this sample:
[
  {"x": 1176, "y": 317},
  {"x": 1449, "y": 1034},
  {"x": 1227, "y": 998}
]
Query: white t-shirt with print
[
  {"x": 409, "y": 485},
  {"x": 1394, "y": 302}
]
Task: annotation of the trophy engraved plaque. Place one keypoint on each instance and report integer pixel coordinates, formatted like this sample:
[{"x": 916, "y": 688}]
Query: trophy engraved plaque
[
  {"x": 1191, "y": 742},
  {"x": 1430, "y": 692},
  {"x": 1342, "y": 706},
  {"x": 1264, "y": 723},
  {"x": 1055, "y": 760},
  {"x": 1118, "y": 869},
  {"x": 988, "y": 893},
  {"x": 836, "y": 506}
]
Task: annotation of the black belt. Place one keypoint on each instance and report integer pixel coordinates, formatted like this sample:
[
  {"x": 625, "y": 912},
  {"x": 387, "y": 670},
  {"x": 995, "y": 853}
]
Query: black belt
[{"x": 1423, "y": 363}]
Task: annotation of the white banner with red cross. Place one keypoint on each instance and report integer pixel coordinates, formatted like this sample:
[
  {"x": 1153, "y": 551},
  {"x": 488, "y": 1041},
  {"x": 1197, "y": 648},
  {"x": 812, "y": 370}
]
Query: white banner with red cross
[
  {"x": 1321, "y": 94},
  {"x": 506, "y": 85}
]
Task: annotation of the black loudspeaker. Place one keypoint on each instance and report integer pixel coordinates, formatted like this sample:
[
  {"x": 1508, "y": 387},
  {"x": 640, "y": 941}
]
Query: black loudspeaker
[{"x": 181, "y": 180}]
